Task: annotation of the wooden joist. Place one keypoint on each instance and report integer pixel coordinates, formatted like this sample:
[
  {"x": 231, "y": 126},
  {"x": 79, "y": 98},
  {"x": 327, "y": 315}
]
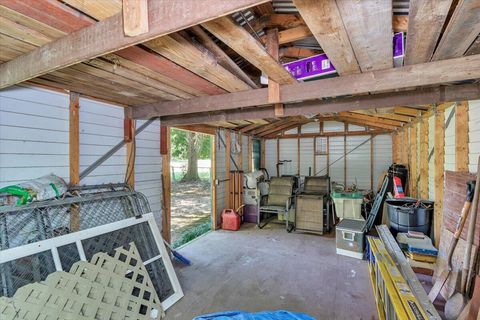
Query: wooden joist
[
  {"x": 425, "y": 22},
  {"x": 107, "y": 35},
  {"x": 329, "y": 134},
  {"x": 181, "y": 51},
  {"x": 362, "y": 122},
  {"x": 369, "y": 27},
  {"x": 324, "y": 20},
  {"x": 135, "y": 17},
  {"x": 292, "y": 34},
  {"x": 433, "y": 73},
  {"x": 237, "y": 38},
  {"x": 419, "y": 96},
  {"x": 74, "y": 138},
  {"x": 439, "y": 160},
  {"x": 413, "y": 160},
  {"x": 461, "y": 136},
  {"x": 372, "y": 119},
  {"x": 462, "y": 30}
]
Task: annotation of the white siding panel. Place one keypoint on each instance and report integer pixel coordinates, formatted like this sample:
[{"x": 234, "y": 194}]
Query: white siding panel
[
  {"x": 358, "y": 161},
  {"x": 288, "y": 151},
  {"x": 33, "y": 134},
  {"x": 245, "y": 153},
  {"x": 271, "y": 156},
  {"x": 431, "y": 162},
  {"x": 474, "y": 134},
  {"x": 321, "y": 166},
  {"x": 450, "y": 139},
  {"x": 333, "y": 126},
  {"x": 336, "y": 160},
  {"x": 292, "y": 131},
  {"x": 311, "y": 127},
  {"x": 221, "y": 174},
  {"x": 306, "y": 156},
  {"x": 382, "y": 156},
  {"x": 352, "y": 127},
  {"x": 101, "y": 128}
]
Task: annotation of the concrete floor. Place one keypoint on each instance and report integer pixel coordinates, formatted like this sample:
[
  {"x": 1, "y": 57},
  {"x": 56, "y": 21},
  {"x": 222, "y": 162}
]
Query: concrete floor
[{"x": 271, "y": 269}]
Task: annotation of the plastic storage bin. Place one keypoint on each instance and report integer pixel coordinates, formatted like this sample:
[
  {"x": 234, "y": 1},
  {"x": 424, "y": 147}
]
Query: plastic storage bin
[
  {"x": 350, "y": 240},
  {"x": 348, "y": 204},
  {"x": 404, "y": 217}
]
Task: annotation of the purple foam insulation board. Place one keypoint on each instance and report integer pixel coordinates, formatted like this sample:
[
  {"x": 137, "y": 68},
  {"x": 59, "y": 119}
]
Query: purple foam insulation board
[
  {"x": 311, "y": 67},
  {"x": 398, "y": 49}
]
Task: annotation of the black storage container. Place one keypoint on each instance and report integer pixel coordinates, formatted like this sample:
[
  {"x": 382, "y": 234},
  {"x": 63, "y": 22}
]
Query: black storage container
[{"x": 404, "y": 216}]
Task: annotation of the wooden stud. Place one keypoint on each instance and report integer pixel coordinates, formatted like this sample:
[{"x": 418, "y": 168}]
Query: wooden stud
[
  {"x": 328, "y": 156},
  {"x": 413, "y": 167},
  {"x": 461, "y": 136},
  {"x": 135, "y": 17},
  {"x": 240, "y": 154},
  {"x": 166, "y": 186},
  {"x": 314, "y": 155},
  {"x": 423, "y": 174},
  {"x": 129, "y": 128},
  {"x": 262, "y": 153},
  {"x": 439, "y": 158},
  {"x": 74, "y": 154},
  {"x": 395, "y": 145}
]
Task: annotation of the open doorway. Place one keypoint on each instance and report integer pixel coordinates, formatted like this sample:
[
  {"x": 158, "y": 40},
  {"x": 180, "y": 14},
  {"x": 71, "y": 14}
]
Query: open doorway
[{"x": 191, "y": 190}]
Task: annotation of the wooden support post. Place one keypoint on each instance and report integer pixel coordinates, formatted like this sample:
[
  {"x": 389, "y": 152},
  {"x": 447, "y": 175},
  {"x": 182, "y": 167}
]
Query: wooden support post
[
  {"x": 214, "y": 182},
  {"x": 129, "y": 136},
  {"x": 74, "y": 154},
  {"x": 423, "y": 174},
  {"x": 135, "y": 17},
  {"x": 395, "y": 147},
  {"x": 461, "y": 136},
  {"x": 166, "y": 183},
  {"x": 228, "y": 151},
  {"x": 404, "y": 144},
  {"x": 250, "y": 154},
  {"x": 273, "y": 86},
  {"x": 413, "y": 167},
  {"x": 262, "y": 153},
  {"x": 372, "y": 167},
  {"x": 439, "y": 158}
]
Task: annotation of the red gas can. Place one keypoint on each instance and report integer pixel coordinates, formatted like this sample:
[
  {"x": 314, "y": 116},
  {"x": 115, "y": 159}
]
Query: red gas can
[{"x": 230, "y": 220}]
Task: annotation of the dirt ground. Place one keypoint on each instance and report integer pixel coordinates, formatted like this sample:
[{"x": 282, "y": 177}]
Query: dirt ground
[{"x": 191, "y": 205}]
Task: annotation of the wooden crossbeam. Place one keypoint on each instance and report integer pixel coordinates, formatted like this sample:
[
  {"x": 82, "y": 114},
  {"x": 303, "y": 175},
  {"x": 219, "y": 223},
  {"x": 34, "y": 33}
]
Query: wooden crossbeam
[
  {"x": 324, "y": 20},
  {"x": 295, "y": 52},
  {"x": 419, "y": 96},
  {"x": 433, "y": 73},
  {"x": 329, "y": 134},
  {"x": 292, "y": 34},
  {"x": 365, "y": 123},
  {"x": 135, "y": 17},
  {"x": 285, "y": 127},
  {"x": 462, "y": 30},
  {"x": 425, "y": 22},
  {"x": 372, "y": 119},
  {"x": 408, "y": 111},
  {"x": 237, "y": 38},
  {"x": 107, "y": 36},
  {"x": 372, "y": 18}
]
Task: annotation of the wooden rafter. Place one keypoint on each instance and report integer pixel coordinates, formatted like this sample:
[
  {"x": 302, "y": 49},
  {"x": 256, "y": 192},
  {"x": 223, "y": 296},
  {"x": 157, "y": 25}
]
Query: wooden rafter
[
  {"x": 292, "y": 34},
  {"x": 371, "y": 119},
  {"x": 324, "y": 20},
  {"x": 425, "y": 22},
  {"x": 107, "y": 35},
  {"x": 462, "y": 30},
  {"x": 408, "y": 111},
  {"x": 433, "y": 73},
  {"x": 329, "y": 134},
  {"x": 237, "y": 38},
  {"x": 285, "y": 127},
  {"x": 365, "y": 123},
  {"x": 374, "y": 19},
  {"x": 135, "y": 17}
]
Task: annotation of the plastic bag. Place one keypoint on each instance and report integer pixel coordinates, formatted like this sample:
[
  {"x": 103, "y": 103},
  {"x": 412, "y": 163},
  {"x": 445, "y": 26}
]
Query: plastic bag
[
  {"x": 43, "y": 188},
  {"x": 264, "y": 315}
]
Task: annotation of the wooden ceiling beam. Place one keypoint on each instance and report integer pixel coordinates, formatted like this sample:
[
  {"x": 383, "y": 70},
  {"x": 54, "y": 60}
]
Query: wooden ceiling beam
[
  {"x": 181, "y": 51},
  {"x": 107, "y": 36},
  {"x": 420, "y": 96},
  {"x": 329, "y": 134},
  {"x": 372, "y": 119},
  {"x": 425, "y": 22},
  {"x": 365, "y": 123},
  {"x": 390, "y": 116},
  {"x": 408, "y": 111},
  {"x": 295, "y": 52},
  {"x": 369, "y": 27},
  {"x": 324, "y": 20},
  {"x": 433, "y": 73},
  {"x": 292, "y": 34},
  {"x": 237, "y": 38},
  {"x": 462, "y": 30},
  {"x": 270, "y": 126},
  {"x": 287, "y": 126}
]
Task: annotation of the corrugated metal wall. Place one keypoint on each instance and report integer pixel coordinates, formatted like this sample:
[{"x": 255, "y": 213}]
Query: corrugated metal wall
[
  {"x": 271, "y": 157},
  {"x": 382, "y": 156},
  {"x": 221, "y": 174},
  {"x": 289, "y": 151},
  {"x": 358, "y": 161},
  {"x": 474, "y": 134},
  {"x": 245, "y": 153},
  {"x": 34, "y": 141},
  {"x": 306, "y": 156}
]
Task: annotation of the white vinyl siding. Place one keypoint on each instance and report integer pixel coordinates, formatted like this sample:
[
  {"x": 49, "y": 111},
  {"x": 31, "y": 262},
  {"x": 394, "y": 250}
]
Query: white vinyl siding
[
  {"x": 306, "y": 156},
  {"x": 288, "y": 151},
  {"x": 431, "y": 163},
  {"x": 382, "y": 157},
  {"x": 271, "y": 156},
  {"x": 474, "y": 134},
  {"x": 220, "y": 170},
  {"x": 358, "y": 161},
  {"x": 450, "y": 139}
]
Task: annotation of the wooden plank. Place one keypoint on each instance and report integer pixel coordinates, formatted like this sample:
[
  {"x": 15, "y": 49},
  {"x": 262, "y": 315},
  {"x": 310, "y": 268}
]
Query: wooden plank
[
  {"x": 181, "y": 51},
  {"x": 273, "y": 86},
  {"x": 372, "y": 119},
  {"x": 135, "y": 17},
  {"x": 420, "y": 96},
  {"x": 98, "y": 9},
  {"x": 129, "y": 125},
  {"x": 474, "y": 48},
  {"x": 413, "y": 160},
  {"x": 462, "y": 30},
  {"x": 408, "y": 111},
  {"x": 433, "y": 73},
  {"x": 332, "y": 134},
  {"x": 297, "y": 52},
  {"x": 461, "y": 136},
  {"x": 221, "y": 56},
  {"x": 74, "y": 138},
  {"x": 166, "y": 187},
  {"x": 107, "y": 36},
  {"x": 372, "y": 18},
  {"x": 262, "y": 153},
  {"x": 294, "y": 34},
  {"x": 372, "y": 161},
  {"x": 425, "y": 22},
  {"x": 237, "y": 38},
  {"x": 324, "y": 20},
  {"x": 423, "y": 162},
  {"x": 439, "y": 160},
  {"x": 362, "y": 122},
  {"x": 400, "y": 23},
  {"x": 395, "y": 147}
]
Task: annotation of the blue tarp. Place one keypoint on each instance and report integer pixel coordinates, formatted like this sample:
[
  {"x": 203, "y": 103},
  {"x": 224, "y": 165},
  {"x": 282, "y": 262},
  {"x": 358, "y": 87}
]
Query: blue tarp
[{"x": 264, "y": 315}]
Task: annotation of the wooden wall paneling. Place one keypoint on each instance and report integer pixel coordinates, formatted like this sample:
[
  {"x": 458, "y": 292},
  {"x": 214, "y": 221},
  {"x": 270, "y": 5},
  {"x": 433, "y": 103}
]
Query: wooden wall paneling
[
  {"x": 425, "y": 22},
  {"x": 375, "y": 19},
  {"x": 135, "y": 17},
  {"x": 423, "y": 159},
  {"x": 166, "y": 184},
  {"x": 413, "y": 161},
  {"x": 324, "y": 20},
  {"x": 461, "y": 136},
  {"x": 439, "y": 160}
]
